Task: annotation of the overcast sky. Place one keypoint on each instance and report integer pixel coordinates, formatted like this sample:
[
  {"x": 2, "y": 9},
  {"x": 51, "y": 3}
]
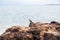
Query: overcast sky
[
  {"x": 22, "y": 2},
  {"x": 42, "y": 1}
]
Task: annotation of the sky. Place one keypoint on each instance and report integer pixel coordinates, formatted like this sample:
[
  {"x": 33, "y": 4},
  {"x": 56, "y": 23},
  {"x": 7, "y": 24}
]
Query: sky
[
  {"x": 42, "y": 1},
  {"x": 18, "y": 12},
  {"x": 22, "y": 2}
]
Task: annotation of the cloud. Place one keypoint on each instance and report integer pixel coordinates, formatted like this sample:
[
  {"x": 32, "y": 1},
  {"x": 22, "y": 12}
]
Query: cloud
[
  {"x": 20, "y": 2},
  {"x": 11, "y": 2},
  {"x": 42, "y": 1}
]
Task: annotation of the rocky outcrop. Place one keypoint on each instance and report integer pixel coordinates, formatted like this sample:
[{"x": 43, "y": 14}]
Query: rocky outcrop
[{"x": 35, "y": 31}]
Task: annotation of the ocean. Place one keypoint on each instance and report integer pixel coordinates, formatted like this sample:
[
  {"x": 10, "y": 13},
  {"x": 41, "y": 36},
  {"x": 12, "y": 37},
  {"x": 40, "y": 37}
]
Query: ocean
[{"x": 20, "y": 15}]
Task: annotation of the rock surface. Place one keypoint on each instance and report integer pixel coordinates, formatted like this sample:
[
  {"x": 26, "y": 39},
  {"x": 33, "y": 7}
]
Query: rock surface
[{"x": 35, "y": 31}]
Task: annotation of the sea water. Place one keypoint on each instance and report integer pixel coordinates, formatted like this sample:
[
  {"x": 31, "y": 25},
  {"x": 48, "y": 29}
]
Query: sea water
[{"x": 20, "y": 15}]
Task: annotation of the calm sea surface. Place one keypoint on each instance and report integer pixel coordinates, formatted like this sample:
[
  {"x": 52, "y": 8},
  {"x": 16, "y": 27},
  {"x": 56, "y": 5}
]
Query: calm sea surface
[{"x": 20, "y": 15}]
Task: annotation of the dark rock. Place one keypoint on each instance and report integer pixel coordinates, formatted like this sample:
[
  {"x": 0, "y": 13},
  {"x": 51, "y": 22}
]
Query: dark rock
[{"x": 35, "y": 31}]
